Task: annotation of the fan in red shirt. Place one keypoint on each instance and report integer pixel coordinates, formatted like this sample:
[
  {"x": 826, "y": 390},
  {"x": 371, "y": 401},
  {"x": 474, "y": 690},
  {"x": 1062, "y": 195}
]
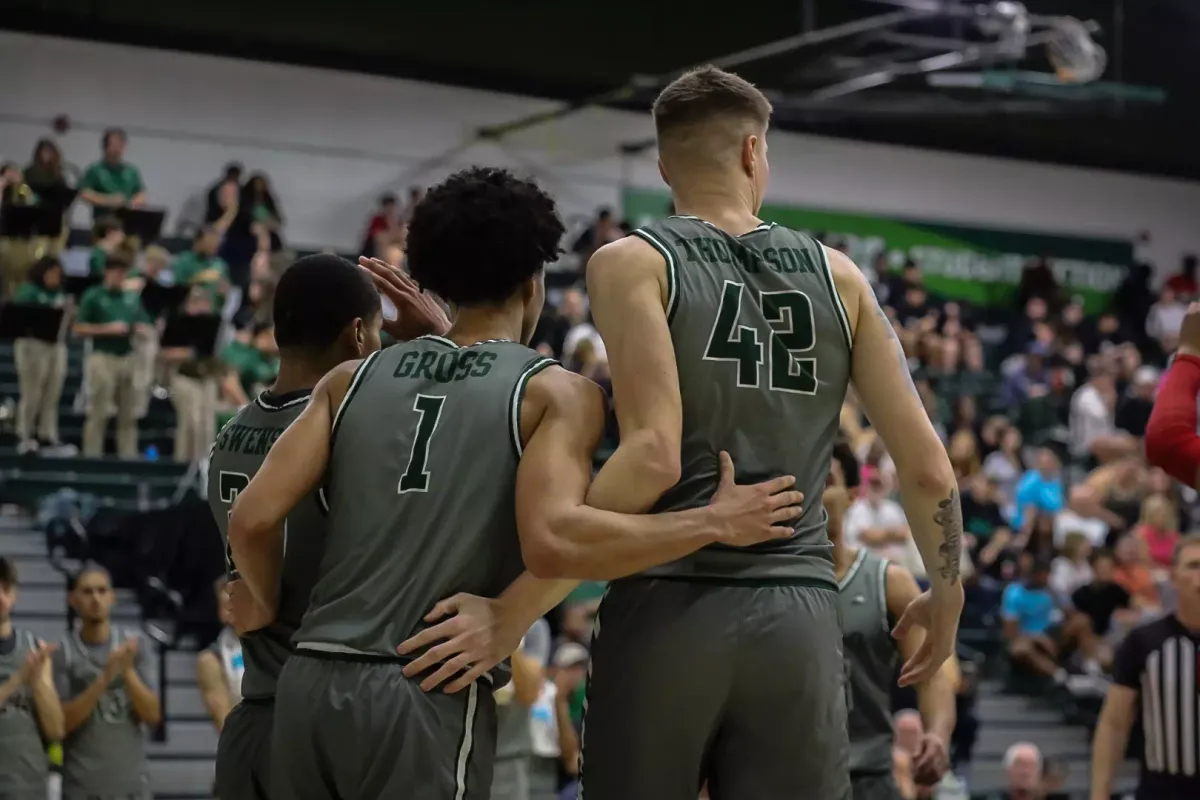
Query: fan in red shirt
[{"x": 1172, "y": 439}]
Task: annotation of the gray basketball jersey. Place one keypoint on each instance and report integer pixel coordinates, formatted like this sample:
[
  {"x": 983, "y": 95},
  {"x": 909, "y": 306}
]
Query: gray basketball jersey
[
  {"x": 239, "y": 451},
  {"x": 106, "y": 755},
  {"x": 872, "y": 658},
  {"x": 24, "y": 765},
  {"x": 420, "y": 488},
  {"x": 762, "y": 344}
]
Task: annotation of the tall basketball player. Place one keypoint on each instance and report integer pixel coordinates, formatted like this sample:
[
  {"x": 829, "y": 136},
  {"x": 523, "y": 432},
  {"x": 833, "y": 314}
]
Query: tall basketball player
[
  {"x": 725, "y": 332},
  {"x": 422, "y": 448},
  {"x": 873, "y": 595},
  {"x": 325, "y": 311}
]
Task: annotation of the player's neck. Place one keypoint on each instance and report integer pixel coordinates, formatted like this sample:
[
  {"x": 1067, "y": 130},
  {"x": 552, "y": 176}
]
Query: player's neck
[
  {"x": 472, "y": 325},
  {"x": 294, "y": 377},
  {"x": 95, "y": 632},
  {"x": 6, "y": 628},
  {"x": 843, "y": 559},
  {"x": 727, "y": 208}
]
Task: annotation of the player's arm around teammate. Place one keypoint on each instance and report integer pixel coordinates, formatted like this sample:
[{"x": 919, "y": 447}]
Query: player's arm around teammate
[
  {"x": 936, "y": 695},
  {"x": 928, "y": 489}
]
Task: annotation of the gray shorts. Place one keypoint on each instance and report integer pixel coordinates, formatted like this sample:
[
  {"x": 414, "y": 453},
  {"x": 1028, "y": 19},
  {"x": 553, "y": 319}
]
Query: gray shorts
[
  {"x": 361, "y": 729},
  {"x": 875, "y": 787},
  {"x": 525, "y": 778},
  {"x": 244, "y": 752},
  {"x": 740, "y": 686}
]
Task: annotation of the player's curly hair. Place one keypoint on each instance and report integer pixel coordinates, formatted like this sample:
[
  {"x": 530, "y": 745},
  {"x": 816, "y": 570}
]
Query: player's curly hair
[{"x": 478, "y": 235}]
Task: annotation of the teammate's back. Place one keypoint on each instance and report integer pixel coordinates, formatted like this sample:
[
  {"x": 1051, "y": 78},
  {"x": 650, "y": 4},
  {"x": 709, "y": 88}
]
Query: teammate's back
[
  {"x": 762, "y": 345},
  {"x": 420, "y": 490}
]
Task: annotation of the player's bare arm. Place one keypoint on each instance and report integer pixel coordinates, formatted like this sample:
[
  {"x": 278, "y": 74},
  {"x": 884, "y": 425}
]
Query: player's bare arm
[
  {"x": 627, "y": 289},
  {"x": 214, "y": 689},
  {"x": 928, "y": 490},
  {"x": 935, "y": 696},
  {"x": 564, "y": 537},
  {"x": 1171, "y": 440},
  {"x": 294, "y": 467},
  {"x": 1111, "y": 738}
]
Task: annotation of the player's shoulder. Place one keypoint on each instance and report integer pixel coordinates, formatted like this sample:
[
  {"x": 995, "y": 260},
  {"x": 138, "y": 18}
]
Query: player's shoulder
[
  {"x": 555, "y": 386},
  {"x": 630, "y": 255}
]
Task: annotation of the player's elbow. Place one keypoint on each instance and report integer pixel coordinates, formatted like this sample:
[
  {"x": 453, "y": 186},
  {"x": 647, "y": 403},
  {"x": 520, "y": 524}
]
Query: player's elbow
[
  {"x": 544, "y": 553},
  {"x": 248, "y": 525},
  {"x": 656, "y": 457}
]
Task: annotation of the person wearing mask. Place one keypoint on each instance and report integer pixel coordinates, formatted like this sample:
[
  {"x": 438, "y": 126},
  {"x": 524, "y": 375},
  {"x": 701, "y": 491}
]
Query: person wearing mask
[
  {"x": 194, "y": 382},
  {"x": 512, "y": 776},
  {"x": 112, "y": 182},
  {"x": 201, "y": 266},
  {"x": 108, "y": 315},
  {"x": 41, "y": 366},
  {"x": 219, "y": 667},
  {"x": 105, "y": 676},
  {"x": 30, "y": 713},
  {"x": 1154, "y": 673}
]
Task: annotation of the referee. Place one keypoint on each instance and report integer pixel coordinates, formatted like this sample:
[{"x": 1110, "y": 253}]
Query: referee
[{"x": 1155, "y": 670}]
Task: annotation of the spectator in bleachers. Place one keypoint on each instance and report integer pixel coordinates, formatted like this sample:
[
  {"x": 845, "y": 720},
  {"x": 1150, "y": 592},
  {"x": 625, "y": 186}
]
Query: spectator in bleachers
[
  {"x": 1072, "y": 569},
  {"x": 41, "y": 366},
  {"x": 230, "y": 181},
  {"x": 30, "y": 712},
  {"x": 1184, "y": 283},
  {"x": 45, "y": 177},
  {"x": 602, "y": 231},
  {"x": 219, "y": 668},
  {"x": 1030, "y": 615},
  {"x": 254, "y": 228},
  {"x": 1024, "y": 768},
  {"x": 108, "y": 240},
  {"x": 568, "y": 677},
  {"x": 1158, "y": 530},
  {"x": 1094, "y": 432},
  {"x": 1040, "y": 491},
  {"x": 1131, "y": 571},
  {"x": 1005, "y": 465},
  {"x": 877, "y": 522},
  {"x": 1101, "y": 602},
  {"x": 987, "y": 532},
  {"x": 105, "y": 675},
  {"x": 112, "y": 182},
  {"x": 16, "y": 252},
  {"x": 1133, "y": 409},
  {"x": 253, "y": 358},
  {"x": 1038, "y": 281},
  {"x": 385, "y": 228},
  {"x": 154, "y": 269},
  {"x": 201, "y": 266},
  {"x": 513, "y": 777},
  {"x": 194, "y": 383},
  {"x": 108, "y": 315},
  {"x": 1165, "y": 318},
  {"x": 574, "y": 310}
]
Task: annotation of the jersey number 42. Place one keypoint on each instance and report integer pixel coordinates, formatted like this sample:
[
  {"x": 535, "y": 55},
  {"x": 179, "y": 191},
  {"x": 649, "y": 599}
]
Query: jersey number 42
[{"x": 793, "y": 333}]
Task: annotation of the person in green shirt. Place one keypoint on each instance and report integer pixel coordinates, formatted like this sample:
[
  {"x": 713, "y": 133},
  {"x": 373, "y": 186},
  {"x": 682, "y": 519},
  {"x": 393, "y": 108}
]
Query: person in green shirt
[
  {"x": 112, "y": 182},
  {"x": 109, "y": 315},
  {"x": 194, "y": 381},
  {"x": 201, "y": 266},
  {"x": 41, "y": 365},
  {"x": 254, "y": 357},
  {"x": 108, "y": 236}
]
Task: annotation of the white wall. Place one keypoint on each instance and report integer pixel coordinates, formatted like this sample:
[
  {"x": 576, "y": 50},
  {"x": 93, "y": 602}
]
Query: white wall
[{"x": 333, "y": 141}]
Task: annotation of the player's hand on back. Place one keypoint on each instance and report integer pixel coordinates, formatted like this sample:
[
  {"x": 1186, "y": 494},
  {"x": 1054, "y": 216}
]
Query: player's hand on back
[
  {"x": 468, "y": 636},
  {"x": 245, "y": 613},
  {"x": 1189, "y": 331},
  {"x": 753, "y": 513},
  {"x": 417, "y": 313},
  {"x": 938, "y": 614}
]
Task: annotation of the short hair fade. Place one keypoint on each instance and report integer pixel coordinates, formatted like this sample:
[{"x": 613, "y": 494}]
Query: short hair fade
[
  {"x": 317, "y": 297},
  {"x": 705, "y": 94},
  {"x": 478, "y": 235}
]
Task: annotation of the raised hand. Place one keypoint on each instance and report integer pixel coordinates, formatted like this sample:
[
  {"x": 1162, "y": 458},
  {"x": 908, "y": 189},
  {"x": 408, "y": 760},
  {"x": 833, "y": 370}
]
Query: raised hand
[
  {"x": 417, "y": 313},
  {"x": 475, "y": 636},
  {"x": 36, "y": 667},
  {"x": 754, "y": 513}
]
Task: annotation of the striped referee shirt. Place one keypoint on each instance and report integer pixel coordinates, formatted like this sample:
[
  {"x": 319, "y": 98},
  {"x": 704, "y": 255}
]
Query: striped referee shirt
[{"x": 1160, "y": 661}]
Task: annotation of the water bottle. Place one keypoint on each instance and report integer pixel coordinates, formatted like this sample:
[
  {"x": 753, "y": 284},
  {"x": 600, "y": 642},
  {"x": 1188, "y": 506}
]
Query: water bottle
[{"x": 152, "y": 453}]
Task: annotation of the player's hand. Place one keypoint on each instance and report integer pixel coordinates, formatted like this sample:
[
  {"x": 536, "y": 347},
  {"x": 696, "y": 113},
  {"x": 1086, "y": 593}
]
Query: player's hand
[
  {"x": 244, "y": 612},
  {"x": 930, "y": 761},
  {"x": 475, "y": 636},
  {"x": 120, "y": 658},
  {"x": 417, "y": 313},
  {"x": 1189, "y": 331},
  {"x": 747, "y": 515},
  {"x": 938, "y": 615},
  {"x": 36, "y": 666}
]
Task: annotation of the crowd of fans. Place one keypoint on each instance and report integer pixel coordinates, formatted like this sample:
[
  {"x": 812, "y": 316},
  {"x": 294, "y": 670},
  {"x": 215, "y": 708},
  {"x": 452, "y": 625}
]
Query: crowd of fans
[{"x": 1042, "y": 408}]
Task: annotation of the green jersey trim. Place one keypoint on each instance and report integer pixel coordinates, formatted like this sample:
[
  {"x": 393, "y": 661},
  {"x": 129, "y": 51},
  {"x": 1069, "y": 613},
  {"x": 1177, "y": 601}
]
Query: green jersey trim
[
  {"x": 518, "y": 397},
  {"x": 882, "y": 578},
  {"x": 668, "y": 254},
  {"x": 854, "y": 568},
  {"x": 835, "y": 298},
  {"x": 351, "y": 390}
]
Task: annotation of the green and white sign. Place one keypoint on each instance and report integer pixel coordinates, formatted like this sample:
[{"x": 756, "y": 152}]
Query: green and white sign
[{"x": 979, "y": 265}]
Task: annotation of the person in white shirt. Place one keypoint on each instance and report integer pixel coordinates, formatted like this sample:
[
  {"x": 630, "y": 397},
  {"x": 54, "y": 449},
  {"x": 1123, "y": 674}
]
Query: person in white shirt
[
  {"x": 876, "y": 522},
  {"x": 1093, "y": 431},
  {"x": 1165, "y": 319},
  {"x": 1071, "y": 570}
]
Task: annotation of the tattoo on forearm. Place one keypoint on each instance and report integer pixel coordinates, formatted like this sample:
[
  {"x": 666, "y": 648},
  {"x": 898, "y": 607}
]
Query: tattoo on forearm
[{"x": 949, "y": 519}]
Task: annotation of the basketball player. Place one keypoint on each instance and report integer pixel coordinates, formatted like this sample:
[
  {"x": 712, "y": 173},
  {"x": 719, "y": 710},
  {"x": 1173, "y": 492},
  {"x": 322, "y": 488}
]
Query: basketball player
[
  {"x": 873, "y": 593},
  {"x": 325, "y": 311},
  {"x": 1172, "y": 437},
  {"x": 105, "y": 677},
  {"x": 30, "y": 714},
  {"x": 419, "y": 447},
  {"x": 725, "y": 332},
  {"x": 219, "y": 668}
]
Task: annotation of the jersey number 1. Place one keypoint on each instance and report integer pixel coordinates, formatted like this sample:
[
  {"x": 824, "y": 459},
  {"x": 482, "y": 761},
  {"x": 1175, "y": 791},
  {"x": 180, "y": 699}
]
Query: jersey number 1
[
  {"x": 416, "y": 476},
  {"x": 793, "y": 331}
]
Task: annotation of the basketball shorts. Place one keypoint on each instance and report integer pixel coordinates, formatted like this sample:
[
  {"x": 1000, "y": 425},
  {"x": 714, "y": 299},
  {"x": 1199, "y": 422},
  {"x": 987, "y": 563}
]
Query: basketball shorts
[
  {"x": 739, "y": 685},
  {"x": 244, "y": 752},
  {"x": 359, "y": 728}
]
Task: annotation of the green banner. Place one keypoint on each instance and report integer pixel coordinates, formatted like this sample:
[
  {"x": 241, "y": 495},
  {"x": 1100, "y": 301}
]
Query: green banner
[{"x": 979, "y": 265}]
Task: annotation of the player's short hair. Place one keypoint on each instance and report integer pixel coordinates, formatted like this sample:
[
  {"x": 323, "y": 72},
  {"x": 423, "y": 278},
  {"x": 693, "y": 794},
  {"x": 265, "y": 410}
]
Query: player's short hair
[
  {"x": 316, "y": 298},
  {"x": 8, "y": 573},
  {"x": 1190, "y": 540},
  {"x": 706, "y": 95},
  {"x": 476, "y": 237}
]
